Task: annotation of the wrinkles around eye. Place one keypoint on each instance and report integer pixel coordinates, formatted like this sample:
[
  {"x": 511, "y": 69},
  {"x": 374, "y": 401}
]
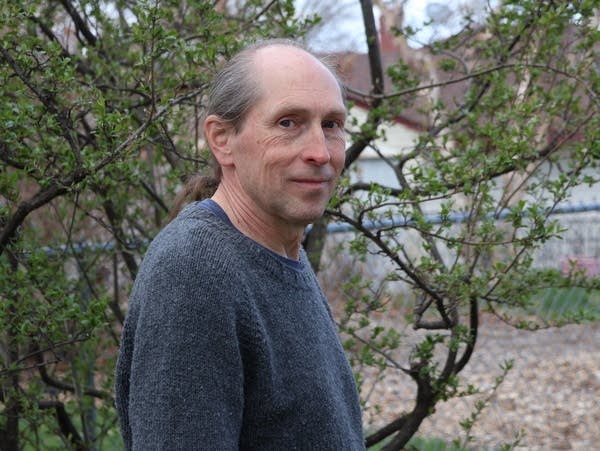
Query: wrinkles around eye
[{"x": 331, "y": 124}]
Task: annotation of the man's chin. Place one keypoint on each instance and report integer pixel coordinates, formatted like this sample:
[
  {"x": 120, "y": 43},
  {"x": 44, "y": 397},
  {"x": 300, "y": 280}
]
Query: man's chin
[
  {"x": 303, "y": 214},
  {"x": 311, "y": 218}
]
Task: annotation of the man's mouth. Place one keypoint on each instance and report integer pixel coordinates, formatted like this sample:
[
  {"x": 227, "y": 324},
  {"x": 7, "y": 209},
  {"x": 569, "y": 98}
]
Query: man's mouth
[{"x": 314, "y": 182}]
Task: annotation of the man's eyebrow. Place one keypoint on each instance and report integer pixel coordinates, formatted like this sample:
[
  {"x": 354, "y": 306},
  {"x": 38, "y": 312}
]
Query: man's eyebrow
[
  {"x": 300, "y": 110},
  {"x": 338, "y": 113}
]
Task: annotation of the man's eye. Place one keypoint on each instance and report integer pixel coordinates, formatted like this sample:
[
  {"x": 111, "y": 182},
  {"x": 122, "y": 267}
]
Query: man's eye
[
  {"x": 330, "y": 124},
  {"x": 286, "y": 123}
]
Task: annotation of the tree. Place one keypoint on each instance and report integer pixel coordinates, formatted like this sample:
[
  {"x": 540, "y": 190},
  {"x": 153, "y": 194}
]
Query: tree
[
  {"x": 510, "y": 114},
  {"x": 99, "y": 125},
  {"x": 328, "y": 33}
]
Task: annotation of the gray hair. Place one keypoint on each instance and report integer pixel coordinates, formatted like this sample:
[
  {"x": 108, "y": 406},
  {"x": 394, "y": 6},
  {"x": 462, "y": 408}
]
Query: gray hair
[{"x": 235, "y": 88}]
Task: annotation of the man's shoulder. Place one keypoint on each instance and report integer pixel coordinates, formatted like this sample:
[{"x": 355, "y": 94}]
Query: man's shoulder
[
  {"x": 190, "y": 257},
  {"x": 195, "y": 234}
]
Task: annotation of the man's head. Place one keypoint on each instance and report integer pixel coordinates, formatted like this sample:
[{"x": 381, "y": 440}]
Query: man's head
[{"x": 278, "y": 137}]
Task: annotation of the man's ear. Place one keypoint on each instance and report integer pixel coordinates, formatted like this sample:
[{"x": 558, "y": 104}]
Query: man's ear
[{"x": 218, "y": 134}]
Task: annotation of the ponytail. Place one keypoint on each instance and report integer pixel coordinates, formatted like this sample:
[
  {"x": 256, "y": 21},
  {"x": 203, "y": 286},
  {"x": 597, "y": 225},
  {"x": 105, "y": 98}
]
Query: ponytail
[{"x": 197, "y": 187}]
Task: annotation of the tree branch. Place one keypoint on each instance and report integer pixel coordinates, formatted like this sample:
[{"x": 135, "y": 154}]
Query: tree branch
[
  {"x": 473, "y": 75},
  {"x": 386, "y": 431},
  {"x": 79, "y": 22},
  {"x": 57, "y": 188},
  {"x": 67, "y": 428},
  {"x": 377, "y": 81},
  {"x": 50, "y": 381}
]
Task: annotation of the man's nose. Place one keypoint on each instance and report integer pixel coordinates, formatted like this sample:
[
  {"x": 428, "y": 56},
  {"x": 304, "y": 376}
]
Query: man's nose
[{"x": 316, "y": 150}]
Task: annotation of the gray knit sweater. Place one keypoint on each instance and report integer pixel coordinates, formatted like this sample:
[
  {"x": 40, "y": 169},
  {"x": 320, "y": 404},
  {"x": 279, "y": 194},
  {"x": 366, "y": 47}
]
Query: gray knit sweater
[{"x": 228, "y": 345}]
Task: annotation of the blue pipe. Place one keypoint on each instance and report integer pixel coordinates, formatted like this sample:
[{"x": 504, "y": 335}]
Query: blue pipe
[{"x": 454, "y": 218}]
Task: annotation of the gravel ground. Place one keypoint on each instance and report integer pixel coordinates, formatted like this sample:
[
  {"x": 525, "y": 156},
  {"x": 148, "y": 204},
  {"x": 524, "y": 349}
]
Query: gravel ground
[{"x": 552, "y": 394}]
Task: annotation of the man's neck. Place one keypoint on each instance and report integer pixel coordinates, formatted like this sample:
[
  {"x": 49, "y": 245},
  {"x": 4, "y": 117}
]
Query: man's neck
[{"x": 282, "y": 238}]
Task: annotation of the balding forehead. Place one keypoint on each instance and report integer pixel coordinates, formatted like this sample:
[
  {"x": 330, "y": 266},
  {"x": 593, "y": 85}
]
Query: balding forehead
[
  {"x": 294, "y": 65},
  {"x": 280, "y": 54}
]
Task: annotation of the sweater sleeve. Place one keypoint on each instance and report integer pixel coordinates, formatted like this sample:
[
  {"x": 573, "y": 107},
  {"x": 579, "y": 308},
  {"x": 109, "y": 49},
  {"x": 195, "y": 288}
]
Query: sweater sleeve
[{"x": 185, "y": 372}]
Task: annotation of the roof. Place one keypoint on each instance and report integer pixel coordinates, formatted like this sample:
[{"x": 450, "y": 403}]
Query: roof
[{"x": 414, "y": 108}]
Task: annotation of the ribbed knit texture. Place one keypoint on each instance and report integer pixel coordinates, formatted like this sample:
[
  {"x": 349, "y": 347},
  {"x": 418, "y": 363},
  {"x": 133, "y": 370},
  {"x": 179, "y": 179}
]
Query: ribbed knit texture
[{"x": 227, "y": 347}]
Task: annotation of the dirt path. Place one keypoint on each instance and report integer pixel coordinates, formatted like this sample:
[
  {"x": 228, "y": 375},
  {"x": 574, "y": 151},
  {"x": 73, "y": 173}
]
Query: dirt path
[{"x": 552, "y": 394}]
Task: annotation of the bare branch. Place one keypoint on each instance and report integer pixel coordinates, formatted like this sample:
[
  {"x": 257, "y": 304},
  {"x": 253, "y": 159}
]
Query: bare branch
[
  {"x": 377, "y": 81},
  {"x": 79, "y": 22},
  {"x": 65, "y": 424}
]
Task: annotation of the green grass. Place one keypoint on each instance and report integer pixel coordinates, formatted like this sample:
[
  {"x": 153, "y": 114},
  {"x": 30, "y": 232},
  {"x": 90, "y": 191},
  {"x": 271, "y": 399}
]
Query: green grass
[
  {"x": 557, "y": 304},
  {"x": 44, "y": 437},
  {"x": 423, "y": 444}
]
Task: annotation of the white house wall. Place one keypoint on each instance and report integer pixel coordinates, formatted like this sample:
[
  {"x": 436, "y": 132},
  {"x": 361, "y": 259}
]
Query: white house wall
[
  {"x": 580, "y": 241},
  {"x": 398, "y": 138}
]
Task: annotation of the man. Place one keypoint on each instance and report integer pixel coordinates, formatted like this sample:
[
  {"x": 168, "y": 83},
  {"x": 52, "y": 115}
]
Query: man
[{"x": 229, "y": 343}]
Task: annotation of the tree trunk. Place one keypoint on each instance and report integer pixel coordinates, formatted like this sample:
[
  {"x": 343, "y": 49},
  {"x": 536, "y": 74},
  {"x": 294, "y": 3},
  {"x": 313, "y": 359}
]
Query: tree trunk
[{"x": 9, "y": 435}]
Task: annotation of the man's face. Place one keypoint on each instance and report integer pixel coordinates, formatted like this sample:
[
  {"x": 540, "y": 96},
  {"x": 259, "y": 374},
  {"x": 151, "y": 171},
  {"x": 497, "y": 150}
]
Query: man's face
[{"x": 290, "y": 149}]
